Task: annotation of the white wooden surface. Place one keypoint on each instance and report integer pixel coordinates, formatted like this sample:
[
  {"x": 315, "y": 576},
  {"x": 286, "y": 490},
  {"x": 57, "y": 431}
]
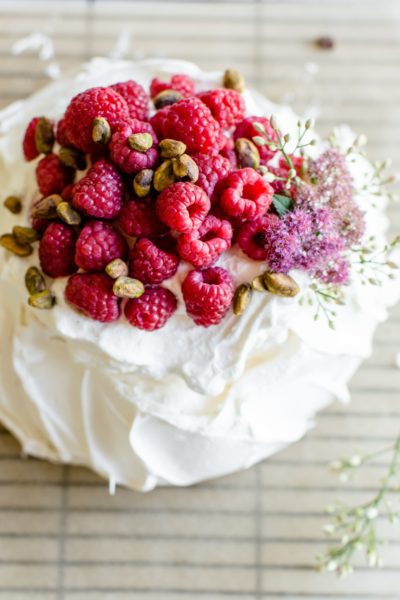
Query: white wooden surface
[{"x": 254, "y": 535}]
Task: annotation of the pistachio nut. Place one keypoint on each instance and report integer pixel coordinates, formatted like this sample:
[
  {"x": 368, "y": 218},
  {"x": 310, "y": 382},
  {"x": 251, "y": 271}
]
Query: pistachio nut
[
  {"x": 142, "y": 182},
  {"x": 233, "y": 80},
  {"x": 281, "y": 284},
  {"x": 68, "y": 214},
  {"x": 71, "y": 157},
  {"x": 163, "y": 176},
  {"x": 141, "y": 142},
  {"x": 44, "y": 136},
  {"x": 126, "y": 287},
  {"x": 171, "y": 148},
  {"x": 242, "y": 297},
  {"x": 13, "y": 204},
  {"x": 185, "y": 168},
  {"x": 25, "y": 235},
  {"x": 43, "y": 300},
  {"x": 101, "y": 131},
  {"x": 247, "y": 153},
  {"x": 34, "y": 281},
  {"x": 8, "y": 241},
  {"x": 258, "y": 284},
  {"x": 46, "y": 208},
  {"x": 117, "y": 268},
  {"x": 166, "y": 98}
]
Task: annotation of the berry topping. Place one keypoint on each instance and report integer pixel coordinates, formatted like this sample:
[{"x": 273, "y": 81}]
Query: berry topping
[
  {"x": 61, "y": 133},
  {"x": 52, "y": 175},
  {"x": 228, "y": 150},
  {"x": 208, "y": 294},
  {"x": 57, "y": 250},
  {"x": 151, "y": 264},
  {"x": 135, "y": 97},
  {"x": 130, "y": 150},
  {"x": 190, "y": 121},
  {"x": 157, "y": 121},
  {"x": 252, "y": 236},
  {"x": 85, "y": 107},
  {"x": 183, "y": 206},
  {"x": 245, "y": 194},
  {"x": 97, "y": 245},
  {"x": 245, "y": 129},
  {"x": 100, "y": 193},
  {"x": 92, "y": 294},
  {"x": 226, "y": 106},
  {"x": 29, "y": 142},
  {"x": 203, "y": 246},
  {"x": 179, "y": 83},
  {"x": 68, "y": 192},
  {"x": 152, "y": 310},
  {"x": 138, "y": 218},
  {"x": 212, "y": 168}
]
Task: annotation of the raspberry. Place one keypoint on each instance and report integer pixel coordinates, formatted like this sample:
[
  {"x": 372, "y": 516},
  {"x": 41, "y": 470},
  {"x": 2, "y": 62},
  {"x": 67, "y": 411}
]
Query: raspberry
[
  {"x": 180, "y": 83},
  {"x": 157, "y": 121},
  {"x": 151, "y": 264},
  {"x": 135, "y": 97},
  {"x": 152, "y": 309},
  {"x": 68, "y": 192},
  {"x": 212, "y": 168},
  {"x": 208, "y": 295},
  {"x": 246, "y": 129},
  {"x": 228, "y": 151},
  {"x": 138, "y": 218},
  {"x": 57, "y": 250},
  {"x": 97, "y": 245},
  {"x": 252, "y": 236},
  {"x": 202, "y": 247},
  {"x": 52, "y": 175},
  {"x": 191, "y": 122},
  {"x": 245, "y": 194},
  {"x": 128, "y": 160},
  {"x": 100, "y": 193},
  {"x": 183, "y": 206},
  {"x": 29, "y": 142},
  {"x": 61, "y": 133},
  {"x": 92, "y": 294},
  {"x": 83, "y": 108},
  {"x": 226, "y": 106}
]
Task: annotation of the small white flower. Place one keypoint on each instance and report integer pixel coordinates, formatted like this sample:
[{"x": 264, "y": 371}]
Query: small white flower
[
  {"x": 355, "y": 461},
  {"x": 373, "y": 558},
  {"x": 329, "y": 528},
  {"x": 372, "y": 512},
  {"x": 361, "y": 140},
  {"x": 273, "y": 122},
  {"x": 332, "y": 565}
]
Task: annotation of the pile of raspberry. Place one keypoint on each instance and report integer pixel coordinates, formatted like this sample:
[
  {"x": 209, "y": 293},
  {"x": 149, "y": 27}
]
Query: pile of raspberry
[{"x": 132, "y": 184}]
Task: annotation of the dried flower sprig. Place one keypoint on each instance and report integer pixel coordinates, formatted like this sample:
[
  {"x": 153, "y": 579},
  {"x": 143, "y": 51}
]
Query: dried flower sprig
[
  {"x": 374, "y": 264},
  {"x": 355, "y": 526},
  {"x": 280, "y": 142},
  {"x": 324, "y": 298}
]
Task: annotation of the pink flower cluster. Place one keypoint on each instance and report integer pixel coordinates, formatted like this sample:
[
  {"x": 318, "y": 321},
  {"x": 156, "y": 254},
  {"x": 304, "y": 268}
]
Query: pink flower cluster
[{"x": 325, "y": 222}]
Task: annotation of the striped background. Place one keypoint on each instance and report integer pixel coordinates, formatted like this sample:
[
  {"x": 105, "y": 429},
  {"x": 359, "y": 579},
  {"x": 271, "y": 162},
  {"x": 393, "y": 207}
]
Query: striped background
[{"x": 254, "y": 535}]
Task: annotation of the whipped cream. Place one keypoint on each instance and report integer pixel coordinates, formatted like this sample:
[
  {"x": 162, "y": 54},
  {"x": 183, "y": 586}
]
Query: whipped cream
[{"x": 183, "y": 403}]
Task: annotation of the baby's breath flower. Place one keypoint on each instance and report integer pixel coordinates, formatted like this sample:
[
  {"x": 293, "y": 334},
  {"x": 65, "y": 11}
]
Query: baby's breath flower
[{"x": 356, "y": 525}]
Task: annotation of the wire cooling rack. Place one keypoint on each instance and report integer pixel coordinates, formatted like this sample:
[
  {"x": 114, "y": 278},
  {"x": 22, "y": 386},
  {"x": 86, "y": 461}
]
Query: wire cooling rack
[{"x": 253, "y": 535}]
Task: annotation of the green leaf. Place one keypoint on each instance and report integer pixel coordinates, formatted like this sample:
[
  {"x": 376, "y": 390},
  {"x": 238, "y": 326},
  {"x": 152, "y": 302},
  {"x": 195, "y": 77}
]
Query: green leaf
[{"x": 282, "y": 204}]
